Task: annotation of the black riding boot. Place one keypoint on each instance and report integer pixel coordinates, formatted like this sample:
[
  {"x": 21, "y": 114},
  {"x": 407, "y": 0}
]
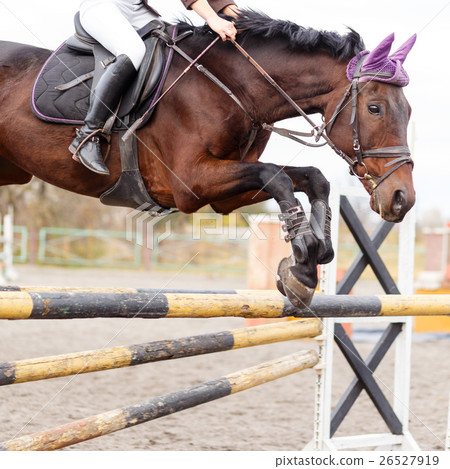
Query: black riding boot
[{"x": 104, "y": 100}]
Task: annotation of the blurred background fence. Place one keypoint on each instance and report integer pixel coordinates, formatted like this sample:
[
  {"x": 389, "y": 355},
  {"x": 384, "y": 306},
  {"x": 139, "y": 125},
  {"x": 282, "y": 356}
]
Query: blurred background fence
[{"x": 111, "y": 249}]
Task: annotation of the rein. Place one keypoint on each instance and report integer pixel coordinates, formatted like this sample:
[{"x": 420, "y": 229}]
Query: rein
[
  {"x": 401, "y": 154},
  {"x": 172, "y": 43}
]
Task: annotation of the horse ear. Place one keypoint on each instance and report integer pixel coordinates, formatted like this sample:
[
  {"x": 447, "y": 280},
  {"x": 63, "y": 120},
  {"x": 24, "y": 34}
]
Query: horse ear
[
  {"x": 403, "y": 50},
  {"x": 380, "y": 53}
]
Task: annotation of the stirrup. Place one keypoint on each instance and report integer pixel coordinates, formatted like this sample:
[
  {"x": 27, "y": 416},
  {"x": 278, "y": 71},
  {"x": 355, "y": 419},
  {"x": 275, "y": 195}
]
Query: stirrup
[
  {"x": 92, "y": 159},
  {"x": 74, "y": 150}
]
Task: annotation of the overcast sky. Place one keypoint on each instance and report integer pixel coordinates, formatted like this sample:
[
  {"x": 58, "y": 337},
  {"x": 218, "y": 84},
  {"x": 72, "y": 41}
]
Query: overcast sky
[{"x": 46, "y": 23}]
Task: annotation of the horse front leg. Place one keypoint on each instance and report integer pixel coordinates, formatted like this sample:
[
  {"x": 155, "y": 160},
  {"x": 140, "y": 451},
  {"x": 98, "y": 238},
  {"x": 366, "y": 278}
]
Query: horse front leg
[
  {"x": 213, "y": 180},
  {"x": 312, "y": 182}
]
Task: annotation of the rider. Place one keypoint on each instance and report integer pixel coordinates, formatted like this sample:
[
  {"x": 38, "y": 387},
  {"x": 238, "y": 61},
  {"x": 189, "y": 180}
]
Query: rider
[{"x": 113, "y": 23}]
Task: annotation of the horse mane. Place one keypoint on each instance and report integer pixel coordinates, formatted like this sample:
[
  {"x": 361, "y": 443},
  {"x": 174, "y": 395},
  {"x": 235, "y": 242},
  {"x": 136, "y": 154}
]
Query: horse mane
[{"x": 254, "y": 24}]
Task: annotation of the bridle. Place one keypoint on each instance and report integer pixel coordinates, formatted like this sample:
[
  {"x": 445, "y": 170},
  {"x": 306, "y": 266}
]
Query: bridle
[{"x": 401, "y": 154}]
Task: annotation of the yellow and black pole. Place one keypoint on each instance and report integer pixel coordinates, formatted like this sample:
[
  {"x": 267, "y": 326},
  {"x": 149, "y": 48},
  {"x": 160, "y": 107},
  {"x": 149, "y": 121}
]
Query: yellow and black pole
[
  {"x": 138, "y": 354},
  {"x": 149, "y": 304},
  {"x": 119, "y": 419}
]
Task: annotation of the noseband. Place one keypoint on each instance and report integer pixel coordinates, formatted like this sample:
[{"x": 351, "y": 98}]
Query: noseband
[{"x": 401, "y": 154}]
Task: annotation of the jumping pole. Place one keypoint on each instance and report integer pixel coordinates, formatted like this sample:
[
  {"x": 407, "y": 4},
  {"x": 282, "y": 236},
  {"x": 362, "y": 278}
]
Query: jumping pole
[
  {"x": 239, "y": 303},
  {"x": 119, "y": 419},
  {"x": 119, "y": 357}
]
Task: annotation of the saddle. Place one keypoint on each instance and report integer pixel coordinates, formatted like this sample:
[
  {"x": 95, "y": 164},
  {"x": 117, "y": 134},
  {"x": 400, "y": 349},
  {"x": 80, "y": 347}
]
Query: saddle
[{"x": 62, "y": 89}]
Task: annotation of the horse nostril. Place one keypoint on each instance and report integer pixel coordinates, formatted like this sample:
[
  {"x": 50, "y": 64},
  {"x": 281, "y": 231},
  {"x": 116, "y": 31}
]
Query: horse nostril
[{"x": 398, "y": 202}]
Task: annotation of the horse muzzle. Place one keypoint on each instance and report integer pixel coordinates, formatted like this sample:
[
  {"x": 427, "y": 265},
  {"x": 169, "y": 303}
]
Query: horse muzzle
[{"x": 392, "y": 207}]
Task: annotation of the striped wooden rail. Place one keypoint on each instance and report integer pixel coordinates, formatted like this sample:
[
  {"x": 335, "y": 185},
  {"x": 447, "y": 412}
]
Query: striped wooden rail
[
  {"x": 155, "y": 304},
  {"x": 66, "y": 303},
  {"x": 138, "y": 354},
  {"x": 119, "y": 419}
]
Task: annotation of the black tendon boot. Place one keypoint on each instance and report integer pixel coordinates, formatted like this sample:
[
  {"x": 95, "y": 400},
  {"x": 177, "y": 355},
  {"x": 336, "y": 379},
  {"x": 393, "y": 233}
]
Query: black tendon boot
[
  {"x": 104, "y": 99},
  {"x": 320, "y": 222}
]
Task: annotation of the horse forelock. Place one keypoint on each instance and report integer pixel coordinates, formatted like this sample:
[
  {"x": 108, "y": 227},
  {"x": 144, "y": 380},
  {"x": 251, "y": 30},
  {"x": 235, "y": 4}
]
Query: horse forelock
[{"x": 254, "y": 24}]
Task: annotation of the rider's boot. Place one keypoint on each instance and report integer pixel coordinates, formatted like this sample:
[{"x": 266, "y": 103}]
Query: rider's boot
[{"x": 104, "y": 99}]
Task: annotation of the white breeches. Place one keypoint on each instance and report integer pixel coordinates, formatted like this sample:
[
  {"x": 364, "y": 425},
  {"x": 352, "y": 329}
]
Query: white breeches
[{"x": 113, "y": 23}]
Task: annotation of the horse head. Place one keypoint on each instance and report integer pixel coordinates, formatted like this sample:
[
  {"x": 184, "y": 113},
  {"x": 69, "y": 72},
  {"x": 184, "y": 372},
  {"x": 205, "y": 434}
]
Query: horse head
[{"x": 378, "y": 113}]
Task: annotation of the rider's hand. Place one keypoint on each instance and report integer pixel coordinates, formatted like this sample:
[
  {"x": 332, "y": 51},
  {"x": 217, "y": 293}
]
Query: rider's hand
[{"x": 225, "y": 29}]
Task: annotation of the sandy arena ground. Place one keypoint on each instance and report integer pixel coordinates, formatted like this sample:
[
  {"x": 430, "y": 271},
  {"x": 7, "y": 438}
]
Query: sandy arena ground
[{"x": 275, "y": 416}]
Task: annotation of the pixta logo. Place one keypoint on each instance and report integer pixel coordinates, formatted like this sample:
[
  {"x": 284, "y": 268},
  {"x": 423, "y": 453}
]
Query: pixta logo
[
  {"x": 143, "y": 221},
  {"x": 147, "y": 228}
]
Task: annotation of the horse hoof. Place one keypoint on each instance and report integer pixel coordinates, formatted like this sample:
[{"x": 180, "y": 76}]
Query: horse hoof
[
  {"x": 288, "y": 285},
  {"x": 283, "y": 266}
]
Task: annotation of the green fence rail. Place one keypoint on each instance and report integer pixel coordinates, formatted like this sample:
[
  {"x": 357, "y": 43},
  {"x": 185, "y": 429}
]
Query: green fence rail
[
  {"x": 102, "y": 248},
  {"x": 20, "y": 243},
  {"x": 112, "y": 249},
  {"x": 210, "y": 253},
  {"x": 87, "y": 248}
]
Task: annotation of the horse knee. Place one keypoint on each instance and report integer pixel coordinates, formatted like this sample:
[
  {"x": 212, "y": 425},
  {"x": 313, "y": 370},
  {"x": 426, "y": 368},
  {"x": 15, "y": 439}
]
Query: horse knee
[
  {"x": 319, "y": 187},
  {"x": 272, "y": 173},
  {"x": 275, "y": 181},
  {"x": 278, "y": 184}
]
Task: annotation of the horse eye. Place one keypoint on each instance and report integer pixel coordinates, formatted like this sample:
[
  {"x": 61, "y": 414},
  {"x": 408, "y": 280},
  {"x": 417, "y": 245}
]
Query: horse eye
[{"x": 374, "y": 109}]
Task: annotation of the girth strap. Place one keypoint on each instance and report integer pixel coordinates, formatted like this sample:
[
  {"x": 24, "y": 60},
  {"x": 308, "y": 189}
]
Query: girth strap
[{"x": 130, "y": 190}]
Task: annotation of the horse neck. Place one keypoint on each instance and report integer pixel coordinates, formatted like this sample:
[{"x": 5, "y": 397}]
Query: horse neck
[{"x": 310, "y": 79}]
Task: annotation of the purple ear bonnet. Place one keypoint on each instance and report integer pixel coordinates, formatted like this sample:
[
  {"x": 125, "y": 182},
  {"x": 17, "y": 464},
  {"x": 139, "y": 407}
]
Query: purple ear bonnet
[{"x": 380, "y": 66}]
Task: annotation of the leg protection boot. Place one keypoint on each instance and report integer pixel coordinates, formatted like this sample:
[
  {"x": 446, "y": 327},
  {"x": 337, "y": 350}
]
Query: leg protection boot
[
  {"x": 321, "y": 225},
  {"x": 104, "y": 100}
]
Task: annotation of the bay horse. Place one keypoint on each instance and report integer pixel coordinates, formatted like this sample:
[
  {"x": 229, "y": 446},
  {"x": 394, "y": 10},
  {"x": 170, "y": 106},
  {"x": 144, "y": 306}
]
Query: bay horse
[{"x": 191, "y": 152}]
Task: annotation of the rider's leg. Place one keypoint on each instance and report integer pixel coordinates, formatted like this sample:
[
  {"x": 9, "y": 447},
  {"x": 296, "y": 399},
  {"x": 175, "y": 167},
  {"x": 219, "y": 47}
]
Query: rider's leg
[
  {"x": 104, "y": 100},
  {"x": 113, "y": 30}
]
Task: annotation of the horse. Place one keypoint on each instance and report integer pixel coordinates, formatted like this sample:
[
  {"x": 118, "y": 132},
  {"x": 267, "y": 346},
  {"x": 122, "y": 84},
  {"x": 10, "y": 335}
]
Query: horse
[{"x": 201, "y": 148}]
